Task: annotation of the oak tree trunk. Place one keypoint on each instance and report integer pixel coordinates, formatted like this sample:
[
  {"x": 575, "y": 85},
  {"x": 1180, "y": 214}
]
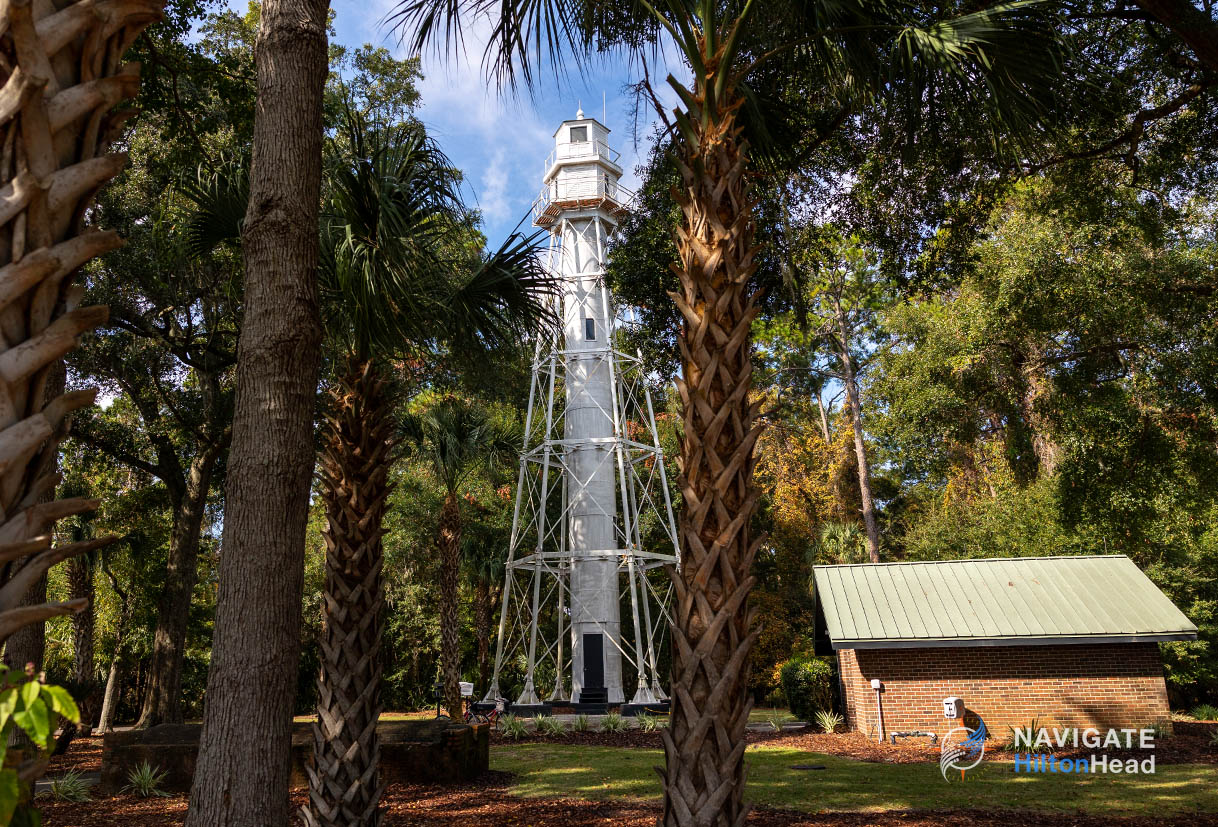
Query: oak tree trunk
[
  {"x": 242, "y": 773},
  {"x": 449, "y": 541},
  {"x": 344, "y": 786},
  {"x": 163, "y": 698},
  {"x": 482, "y": 629},
  {"x": 713, "y": 635},
  {"x": 80, "y": 587},
  {"x": 860, "y": 446}
]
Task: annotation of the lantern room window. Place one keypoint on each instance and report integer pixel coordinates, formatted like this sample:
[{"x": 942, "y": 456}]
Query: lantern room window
[{"x": 579, "y": 134}]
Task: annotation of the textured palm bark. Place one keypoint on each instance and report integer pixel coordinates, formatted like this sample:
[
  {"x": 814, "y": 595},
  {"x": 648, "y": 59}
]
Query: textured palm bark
[
  {"x": 712, "y": 635},
  {"x": 449, "y": 540},
  {"x": 344, "y": 787},
  {"x": 163, "y": 696},
  {"x": 244, "y": 763},
  {"x": 61, "y": 80}
]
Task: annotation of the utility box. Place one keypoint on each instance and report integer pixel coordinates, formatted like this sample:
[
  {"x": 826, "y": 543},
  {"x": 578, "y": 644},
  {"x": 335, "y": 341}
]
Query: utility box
[{"x": 953, "y": 707}]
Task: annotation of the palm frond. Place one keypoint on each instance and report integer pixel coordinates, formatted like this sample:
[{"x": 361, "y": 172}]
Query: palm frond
[{"x": 218, "y": 199}]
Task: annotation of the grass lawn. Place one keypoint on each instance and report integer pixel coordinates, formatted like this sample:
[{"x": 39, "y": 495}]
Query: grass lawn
[{"x": 599, "y": 773}]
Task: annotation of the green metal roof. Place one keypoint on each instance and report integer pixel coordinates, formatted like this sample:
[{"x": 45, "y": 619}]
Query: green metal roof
[{"x": 995, "y": 602}]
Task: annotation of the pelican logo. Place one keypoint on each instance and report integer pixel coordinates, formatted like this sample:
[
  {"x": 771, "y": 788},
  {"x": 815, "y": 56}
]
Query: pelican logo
[{"x": 962, "y": 749}]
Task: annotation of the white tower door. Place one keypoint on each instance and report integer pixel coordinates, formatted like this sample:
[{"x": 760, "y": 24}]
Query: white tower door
[{"x": 591, "y": 489}]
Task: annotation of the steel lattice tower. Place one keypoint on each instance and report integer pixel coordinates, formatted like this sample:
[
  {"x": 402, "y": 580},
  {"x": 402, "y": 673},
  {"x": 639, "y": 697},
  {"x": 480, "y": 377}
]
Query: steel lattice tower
[{"x": 592, "y": 489}]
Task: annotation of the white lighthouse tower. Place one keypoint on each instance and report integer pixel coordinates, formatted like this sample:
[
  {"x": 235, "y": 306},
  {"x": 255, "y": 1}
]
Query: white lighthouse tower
[{"x": 593, "y": 516}]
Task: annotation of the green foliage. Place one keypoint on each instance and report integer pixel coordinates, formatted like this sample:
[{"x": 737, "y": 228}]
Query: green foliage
[
  {"x": 1214, "y": 739},
  {"x": 548, "y": 725},
  {"x": 145, "y": 781},
  {"x": 613, "y": 722},
  {"x": 808, "y": 685},
  {"x": 71, "y": 786},
  {"x": 1205, "y": 712},
  {"x": 1016, "y": 743},
  {"x": 29, "y": 704},
  {"x": 647, "y": 722},
  {"x": 828, "y": 721},
  {"x": 512, "y": 726},
  {"x": 581, "y": 723}
]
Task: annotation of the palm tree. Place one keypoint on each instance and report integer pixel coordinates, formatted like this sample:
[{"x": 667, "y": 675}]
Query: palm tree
[
  {"x": 732, "y": 121},
  {"x": 455, "y": 438},
  {"x": 394, "y": 280},
  {"x": 63, "y": 78}
]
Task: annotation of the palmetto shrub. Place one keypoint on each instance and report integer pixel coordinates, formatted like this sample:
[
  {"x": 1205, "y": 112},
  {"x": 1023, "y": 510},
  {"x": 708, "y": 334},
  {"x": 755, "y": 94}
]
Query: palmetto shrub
[{"x": 145, "y": 781}]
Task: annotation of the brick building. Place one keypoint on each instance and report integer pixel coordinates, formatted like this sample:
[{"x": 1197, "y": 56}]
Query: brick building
[{"x": 1070, "y": 641}]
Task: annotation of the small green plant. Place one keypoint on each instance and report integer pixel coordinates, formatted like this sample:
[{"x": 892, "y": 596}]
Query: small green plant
[
  {"x": 549, "y": 725},
  {"x": 28, "y": 703},
  {"x": 1018, "y": 741},
  {"x": 1205, "y": 712},
  {"x": 828, "y": 720},
  {"x": 647, "y": 722},
  {"x": 70, "y": 786},
  {"x": 1158, "y": 729},
  {"x": 581, "y": 723},
  {"x": 613, "y": 723},
  {"x": 145, "y": 781},
  {"x": 512, "y": 727},
  {"x": 1214, "y": 738}
]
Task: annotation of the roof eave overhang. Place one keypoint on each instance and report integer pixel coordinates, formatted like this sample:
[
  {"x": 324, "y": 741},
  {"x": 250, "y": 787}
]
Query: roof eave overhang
[{"x": 928, "y": 643}]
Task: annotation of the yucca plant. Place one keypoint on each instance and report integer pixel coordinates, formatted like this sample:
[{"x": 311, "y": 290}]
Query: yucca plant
[
  {"x": 581, "y": 723},
  {"x": 647, "y": 722},
  {"x": 828, "y": 720},
  {"x": 549, "y": 725},
  {"x": 145, "y": 781},
  {"x": 513, "y": 727},
  {"x": 71, "y": 786},
  {"x": 736, "y": 117},
  {"x": 613, "y": 722}
]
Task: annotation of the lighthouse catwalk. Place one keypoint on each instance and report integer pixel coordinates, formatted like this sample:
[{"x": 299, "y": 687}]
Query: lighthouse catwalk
[{"x": 584, "y": 611}]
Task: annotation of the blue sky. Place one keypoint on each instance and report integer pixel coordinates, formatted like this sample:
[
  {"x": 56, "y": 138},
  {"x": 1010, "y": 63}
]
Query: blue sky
[{"x": 498, "y": 140}]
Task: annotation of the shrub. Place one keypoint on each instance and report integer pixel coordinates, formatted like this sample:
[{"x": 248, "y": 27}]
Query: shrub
[
  {"x": 613, "y": 723},
  {"x": 828, "y": 720},
  {"x": 1034, "y": 726},
  {"x": 647, "y": 722},
  {"x": 808, "y": 685},
  {"x": 1214, "y": 739},
  {"x": 581, "y": 723},
  {"x": 145, "y": 781},
  {"x": 1205, "y": 712},
  {"x": 512, "y": 727},
  {"x": 70, "y": 786},
  {"x": 549, "y": 725}
]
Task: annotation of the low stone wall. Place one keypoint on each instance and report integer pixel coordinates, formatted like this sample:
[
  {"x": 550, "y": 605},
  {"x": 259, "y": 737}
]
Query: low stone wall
[{"x": 426, "y": 750}]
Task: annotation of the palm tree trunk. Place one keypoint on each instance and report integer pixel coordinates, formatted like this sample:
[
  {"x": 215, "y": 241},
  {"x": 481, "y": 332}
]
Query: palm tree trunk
[
  {"x": 860, "y": 448},
  {"x": 450, "y": 632},
  {"x": 244, "y": 761},
  {"x": 105, "y": 720},
  {"x": 344, "y": 790},
  {"x": 163, "y": 699},
  {"x": 713, "y": 635}
]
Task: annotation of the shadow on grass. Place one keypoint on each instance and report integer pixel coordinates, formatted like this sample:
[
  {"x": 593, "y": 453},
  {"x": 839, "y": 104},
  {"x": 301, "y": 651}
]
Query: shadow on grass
[{"x": 605, "y": 773}]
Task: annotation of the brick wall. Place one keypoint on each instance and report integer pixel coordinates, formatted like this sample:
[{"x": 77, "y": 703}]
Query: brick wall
[{"x": 1092, "y": 685}]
